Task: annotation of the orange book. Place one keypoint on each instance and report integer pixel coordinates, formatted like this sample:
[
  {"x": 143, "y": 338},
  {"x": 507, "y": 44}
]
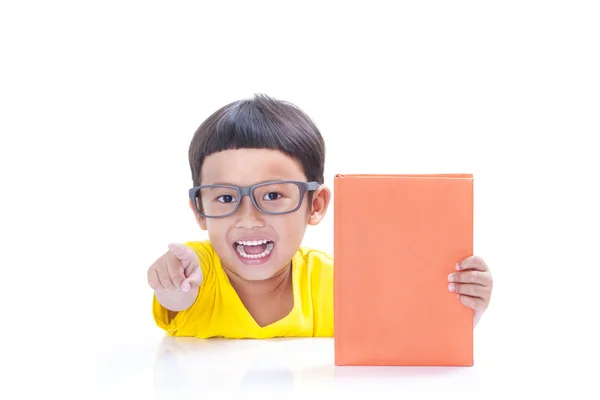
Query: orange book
[{"x": 396, "y": 239}]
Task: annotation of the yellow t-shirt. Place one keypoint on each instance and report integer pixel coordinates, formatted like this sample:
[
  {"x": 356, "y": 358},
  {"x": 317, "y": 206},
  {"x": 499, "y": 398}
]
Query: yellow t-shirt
[{"x": 219, "y": 312}]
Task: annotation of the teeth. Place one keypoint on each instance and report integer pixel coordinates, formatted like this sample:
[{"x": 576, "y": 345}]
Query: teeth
[
  {"x": 240, "y": 249},
  {"x": 252, "y": 242}
]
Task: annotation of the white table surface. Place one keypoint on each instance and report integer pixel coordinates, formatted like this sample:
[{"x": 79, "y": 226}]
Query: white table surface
[
  {"x": 111, "y": 362},
  {"x": 182, "y": 368},
  {"x": 106, "y": 351}
]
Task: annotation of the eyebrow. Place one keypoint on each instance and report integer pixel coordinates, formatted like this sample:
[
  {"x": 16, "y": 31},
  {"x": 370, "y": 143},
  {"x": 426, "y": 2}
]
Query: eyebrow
[{"x": 257, "y": 183}]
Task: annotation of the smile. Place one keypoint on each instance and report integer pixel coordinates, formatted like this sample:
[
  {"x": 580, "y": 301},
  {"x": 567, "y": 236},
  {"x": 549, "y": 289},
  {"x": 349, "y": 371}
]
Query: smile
[{"x": 254, "y": 249}]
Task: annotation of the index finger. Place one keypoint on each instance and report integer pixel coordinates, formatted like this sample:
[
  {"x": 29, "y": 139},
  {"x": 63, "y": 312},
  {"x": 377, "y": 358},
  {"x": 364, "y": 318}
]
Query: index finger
[
  {"x": 183, "y": 253},
  {"x": 474, "y": 262}
]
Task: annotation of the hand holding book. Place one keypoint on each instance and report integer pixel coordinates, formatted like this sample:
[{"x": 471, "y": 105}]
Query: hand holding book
[{"x": 472, "y": 284}]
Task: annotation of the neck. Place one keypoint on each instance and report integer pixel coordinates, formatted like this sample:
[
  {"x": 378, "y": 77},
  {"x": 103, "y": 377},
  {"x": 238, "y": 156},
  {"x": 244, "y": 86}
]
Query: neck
[{"x": 268, "y": 287}]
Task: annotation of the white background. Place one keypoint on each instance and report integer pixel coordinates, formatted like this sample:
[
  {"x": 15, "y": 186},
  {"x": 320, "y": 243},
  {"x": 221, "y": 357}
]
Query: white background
[{"x": 98, "y": 103}]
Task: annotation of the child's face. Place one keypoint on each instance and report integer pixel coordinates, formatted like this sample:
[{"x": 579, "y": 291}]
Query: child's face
[{"x": 246, "y": 167}]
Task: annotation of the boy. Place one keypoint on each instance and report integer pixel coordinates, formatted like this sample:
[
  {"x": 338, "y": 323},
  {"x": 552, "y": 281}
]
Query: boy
[{"x": 257, "y": 169}]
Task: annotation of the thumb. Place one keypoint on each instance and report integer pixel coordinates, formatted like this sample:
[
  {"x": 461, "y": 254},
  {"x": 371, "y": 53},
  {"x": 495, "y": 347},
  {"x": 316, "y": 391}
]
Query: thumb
[
  {"x": 183, "y": 253},
  {"x": 193, "y": 280}
]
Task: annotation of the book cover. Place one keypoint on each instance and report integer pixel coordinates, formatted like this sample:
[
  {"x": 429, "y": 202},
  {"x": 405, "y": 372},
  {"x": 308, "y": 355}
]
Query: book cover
[{"x": 396, "y": 239}]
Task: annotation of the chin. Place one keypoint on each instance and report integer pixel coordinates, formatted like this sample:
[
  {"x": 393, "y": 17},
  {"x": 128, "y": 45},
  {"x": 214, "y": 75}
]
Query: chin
[{"x": 254, "y": 273}]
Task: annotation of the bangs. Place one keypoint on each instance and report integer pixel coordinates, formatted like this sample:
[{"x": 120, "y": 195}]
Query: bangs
[{"x": 260, "y": 123}]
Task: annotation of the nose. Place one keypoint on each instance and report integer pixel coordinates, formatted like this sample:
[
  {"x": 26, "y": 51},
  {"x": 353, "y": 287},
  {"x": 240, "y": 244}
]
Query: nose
[{"x": 247, "y": 216}]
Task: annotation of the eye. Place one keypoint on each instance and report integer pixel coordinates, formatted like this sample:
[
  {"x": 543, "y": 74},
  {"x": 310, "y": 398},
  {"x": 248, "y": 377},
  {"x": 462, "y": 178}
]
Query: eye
[
  {"x": 226, "y": 198},
  {"x": 272, "y": 196}
]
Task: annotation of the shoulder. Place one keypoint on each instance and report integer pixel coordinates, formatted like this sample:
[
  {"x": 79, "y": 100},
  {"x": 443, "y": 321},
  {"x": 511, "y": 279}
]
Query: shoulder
[
  {"x": 318, "y": 282},
  {"x": 315, "y": 265},
  {"x": 313, "y": 258}
]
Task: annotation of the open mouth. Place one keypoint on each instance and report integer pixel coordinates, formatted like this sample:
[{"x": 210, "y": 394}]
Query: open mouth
[{"x": 254, "y": 249}]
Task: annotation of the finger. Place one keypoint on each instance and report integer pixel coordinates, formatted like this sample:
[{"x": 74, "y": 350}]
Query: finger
[
  {"x": 475, "y": 303},
  {"x": 476, "y": 277},
  {"x": 473, "y": 262},
  {"x": 175, "y": 268},
  {"x": 153, "y": 280},
  {"x": 193, "y": 280},
  {"x": 192, "y": 269},
  {"x": 469, "y": 289},
  {"x": 184, "y": 253},
  {"x": 165, "y": 279}
]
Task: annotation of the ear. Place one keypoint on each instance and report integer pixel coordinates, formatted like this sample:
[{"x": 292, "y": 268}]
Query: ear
[
  {"x": 320, "y": 202},
  {"x": 200, "y": 220}
]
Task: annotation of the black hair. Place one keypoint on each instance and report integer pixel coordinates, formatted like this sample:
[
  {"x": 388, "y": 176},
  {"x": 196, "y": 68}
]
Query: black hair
[{"x": 261, "y": 122}]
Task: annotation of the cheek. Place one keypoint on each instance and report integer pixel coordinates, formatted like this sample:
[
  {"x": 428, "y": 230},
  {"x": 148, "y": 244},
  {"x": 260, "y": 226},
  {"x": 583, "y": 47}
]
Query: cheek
[
  {"x": 291, "y": 227},
  {"x": 217, "y": 231}
]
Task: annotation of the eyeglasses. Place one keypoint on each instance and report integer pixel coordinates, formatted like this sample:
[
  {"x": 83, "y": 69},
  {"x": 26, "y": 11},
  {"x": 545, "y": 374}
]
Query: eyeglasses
[{"x": 273, "y": 198}]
